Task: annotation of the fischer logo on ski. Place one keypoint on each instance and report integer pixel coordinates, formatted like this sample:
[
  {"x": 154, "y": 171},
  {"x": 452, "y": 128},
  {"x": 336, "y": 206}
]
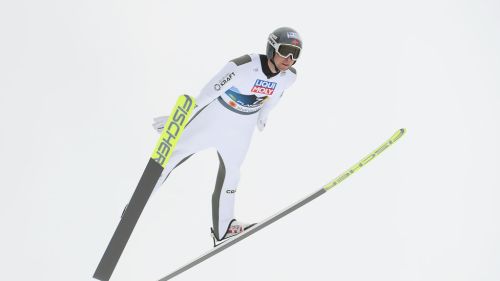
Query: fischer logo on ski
[
  {"x": 172, "y": 131},
  {"x": 157, "y": 162}
]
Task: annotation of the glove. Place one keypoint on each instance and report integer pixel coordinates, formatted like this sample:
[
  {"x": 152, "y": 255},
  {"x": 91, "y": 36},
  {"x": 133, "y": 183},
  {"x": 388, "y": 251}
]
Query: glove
[
  {"x": 261, "y": 123},
  {"x": 159, "y": 123}
]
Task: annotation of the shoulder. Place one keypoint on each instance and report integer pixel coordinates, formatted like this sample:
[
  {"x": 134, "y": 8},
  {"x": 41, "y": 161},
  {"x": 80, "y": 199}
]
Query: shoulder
[
  {"x": 246, "y": 60},
  {"x": 286, "y": 79},
  {"x": 290, "y": 76},
  {"x": 241, "y": 60}
]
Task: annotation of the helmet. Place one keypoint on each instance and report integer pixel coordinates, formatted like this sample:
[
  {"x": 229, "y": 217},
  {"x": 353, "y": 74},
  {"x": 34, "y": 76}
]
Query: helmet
[{"x": 284, "y": 36}]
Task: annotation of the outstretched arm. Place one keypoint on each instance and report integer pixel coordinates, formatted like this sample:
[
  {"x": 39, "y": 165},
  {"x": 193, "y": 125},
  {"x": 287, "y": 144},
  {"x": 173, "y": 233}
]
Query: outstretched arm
[
  {"x": 216, "y": 86},
  {"x": 212, "y": 90}
]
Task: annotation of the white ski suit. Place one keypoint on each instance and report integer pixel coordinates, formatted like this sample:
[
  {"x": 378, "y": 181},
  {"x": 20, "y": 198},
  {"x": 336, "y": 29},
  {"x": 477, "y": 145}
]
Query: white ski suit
[{"x": 227, "y": 110}]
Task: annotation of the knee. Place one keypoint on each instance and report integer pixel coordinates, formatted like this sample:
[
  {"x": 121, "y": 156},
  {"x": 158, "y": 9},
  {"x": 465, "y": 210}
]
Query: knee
[{"x": 232, "y": 175}]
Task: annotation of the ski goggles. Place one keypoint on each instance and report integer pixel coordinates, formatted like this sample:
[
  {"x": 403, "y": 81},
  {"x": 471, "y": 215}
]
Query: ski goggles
[{"x": 286, "y": 50}]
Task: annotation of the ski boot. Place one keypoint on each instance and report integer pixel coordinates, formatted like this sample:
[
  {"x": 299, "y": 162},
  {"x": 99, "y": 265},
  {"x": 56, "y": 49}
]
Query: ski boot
[{"x": 235, "y": 227}]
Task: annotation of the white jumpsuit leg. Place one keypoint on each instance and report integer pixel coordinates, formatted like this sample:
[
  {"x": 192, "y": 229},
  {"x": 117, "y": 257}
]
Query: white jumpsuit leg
[
  {"x": 228, "y": 132},
  {"x": 228, "y": 177}
]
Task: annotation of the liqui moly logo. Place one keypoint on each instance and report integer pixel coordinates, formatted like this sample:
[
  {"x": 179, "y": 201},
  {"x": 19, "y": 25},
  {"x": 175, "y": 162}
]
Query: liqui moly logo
[{"x": 264, "y": 87}]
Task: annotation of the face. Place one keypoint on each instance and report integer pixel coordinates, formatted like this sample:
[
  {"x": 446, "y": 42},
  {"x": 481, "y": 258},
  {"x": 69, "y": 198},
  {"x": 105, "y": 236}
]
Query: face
[{"x": 283, "y": 63}]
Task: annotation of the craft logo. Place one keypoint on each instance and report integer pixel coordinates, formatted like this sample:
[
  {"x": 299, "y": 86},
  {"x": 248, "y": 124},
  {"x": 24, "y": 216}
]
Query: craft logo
[
  {"x": 292, "y": 35},
  {"x": 264, "y": 87},
  {"x": 224, "y": 80}
]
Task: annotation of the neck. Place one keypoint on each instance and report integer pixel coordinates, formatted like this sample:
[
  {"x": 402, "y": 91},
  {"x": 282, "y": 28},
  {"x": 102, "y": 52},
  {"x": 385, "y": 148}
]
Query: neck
[{"x": 272, "y": 66}]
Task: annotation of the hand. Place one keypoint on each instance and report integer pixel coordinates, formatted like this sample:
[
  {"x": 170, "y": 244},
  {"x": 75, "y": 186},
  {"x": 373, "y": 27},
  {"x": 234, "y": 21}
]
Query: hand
[
  {"x": 261, "y": 124},
  {"x": 159, "y": 123}
]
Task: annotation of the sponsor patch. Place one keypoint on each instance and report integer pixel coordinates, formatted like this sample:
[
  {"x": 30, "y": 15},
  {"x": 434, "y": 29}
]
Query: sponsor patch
[
  {"x": 242, "y": 103},
  {"x": 264, "y": 87},
  {"x": 292, "y": 35},
  {"x": 224, "y": 80}
]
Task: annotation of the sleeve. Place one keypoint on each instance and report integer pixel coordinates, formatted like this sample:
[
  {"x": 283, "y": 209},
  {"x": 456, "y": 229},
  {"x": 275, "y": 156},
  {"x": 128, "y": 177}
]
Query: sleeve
[
  {"x": 268, "y": 106},
  {"x": 271, "y": 103},
  {"x": 216, "y": 86}
]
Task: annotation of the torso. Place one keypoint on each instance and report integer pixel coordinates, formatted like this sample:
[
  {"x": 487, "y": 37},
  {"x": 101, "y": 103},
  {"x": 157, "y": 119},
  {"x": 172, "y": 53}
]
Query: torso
[{"x": 250, "y": 88}]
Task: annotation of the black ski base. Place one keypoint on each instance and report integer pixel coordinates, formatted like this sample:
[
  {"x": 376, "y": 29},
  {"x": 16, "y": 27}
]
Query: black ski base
[{"x": 128, "y": 221}]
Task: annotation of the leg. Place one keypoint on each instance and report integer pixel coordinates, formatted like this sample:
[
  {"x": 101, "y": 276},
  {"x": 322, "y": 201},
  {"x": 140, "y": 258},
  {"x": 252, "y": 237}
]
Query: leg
[
  {"x": 223, "y": 197},
  {"x": 176, "y": 159},
  {"x": 195, "y": 138}
]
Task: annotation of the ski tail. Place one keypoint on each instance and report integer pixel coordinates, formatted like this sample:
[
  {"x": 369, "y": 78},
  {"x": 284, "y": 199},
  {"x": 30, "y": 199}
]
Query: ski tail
[
  {"x": 161, "y": 154},
  {"x": 290, "y": 209}
]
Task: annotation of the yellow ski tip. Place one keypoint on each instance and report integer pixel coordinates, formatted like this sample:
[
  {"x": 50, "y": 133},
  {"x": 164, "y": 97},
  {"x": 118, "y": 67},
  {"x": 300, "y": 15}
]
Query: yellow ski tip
[{"x": 399, "y": 133}]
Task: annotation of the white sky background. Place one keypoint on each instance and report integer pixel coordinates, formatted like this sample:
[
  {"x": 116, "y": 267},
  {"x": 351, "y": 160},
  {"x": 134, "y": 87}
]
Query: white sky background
[{"x": 80, "y": 82}]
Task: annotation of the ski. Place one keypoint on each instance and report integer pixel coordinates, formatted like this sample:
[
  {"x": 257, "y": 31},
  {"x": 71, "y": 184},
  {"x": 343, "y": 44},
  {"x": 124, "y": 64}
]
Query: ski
[
  {"x": 161, "y": 154},
  {"x": 291, "y": 208}
]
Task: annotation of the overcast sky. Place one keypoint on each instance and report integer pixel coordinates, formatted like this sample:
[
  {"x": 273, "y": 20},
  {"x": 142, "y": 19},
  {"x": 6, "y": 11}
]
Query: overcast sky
[{"x": 81, "y": 81}]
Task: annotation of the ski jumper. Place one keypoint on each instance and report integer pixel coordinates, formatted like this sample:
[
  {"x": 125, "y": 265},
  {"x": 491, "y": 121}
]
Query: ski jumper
[{"x": 227, "y": 111}]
